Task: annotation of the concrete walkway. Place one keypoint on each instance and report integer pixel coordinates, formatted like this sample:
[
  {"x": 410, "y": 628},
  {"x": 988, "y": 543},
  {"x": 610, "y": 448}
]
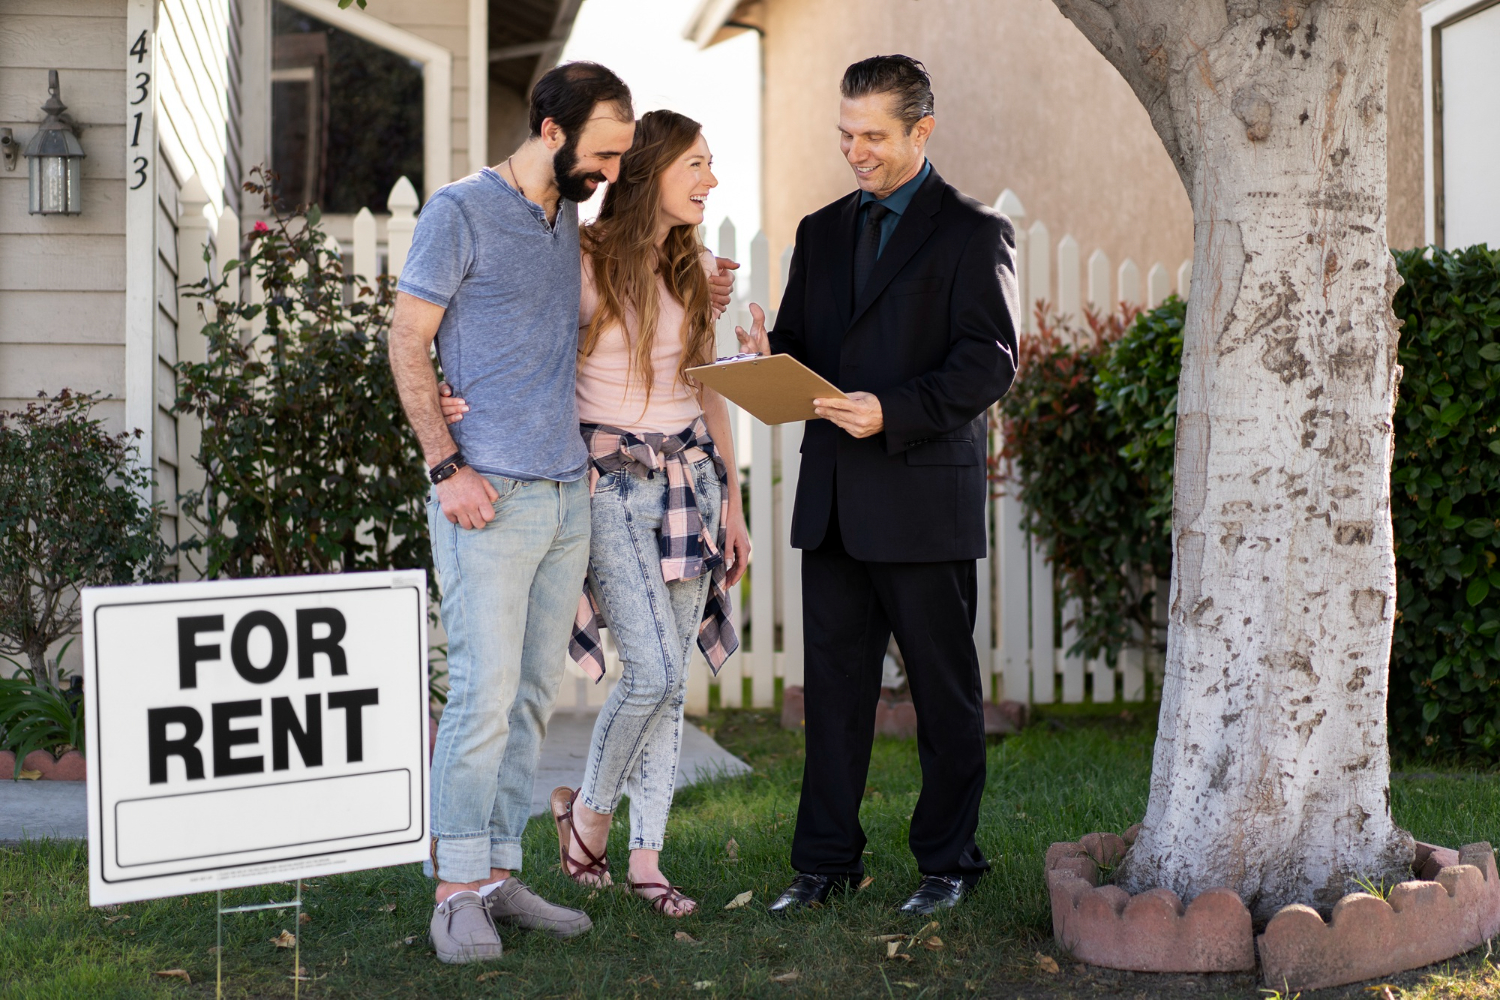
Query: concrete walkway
[
  {"x": 32, "y": 810},
  {"x": 56, "y": 809},
  {"x": 566, "y": 749}
]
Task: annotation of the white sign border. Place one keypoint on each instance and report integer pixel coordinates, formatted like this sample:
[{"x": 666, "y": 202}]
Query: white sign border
[{"x": 104, "y": 891}]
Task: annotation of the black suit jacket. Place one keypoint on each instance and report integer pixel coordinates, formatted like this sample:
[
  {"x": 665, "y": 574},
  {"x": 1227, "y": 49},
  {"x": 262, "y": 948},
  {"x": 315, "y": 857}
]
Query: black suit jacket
[{"x": 933, "y": 336}]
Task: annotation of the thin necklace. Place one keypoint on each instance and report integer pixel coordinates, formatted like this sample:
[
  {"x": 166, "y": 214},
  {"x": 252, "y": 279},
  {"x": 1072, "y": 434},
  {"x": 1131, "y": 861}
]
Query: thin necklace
[{"x": 514, "y": 179}]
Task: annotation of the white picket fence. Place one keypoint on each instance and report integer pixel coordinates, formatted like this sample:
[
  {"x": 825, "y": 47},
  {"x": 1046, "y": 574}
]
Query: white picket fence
[{"x": 1016, "y": 629}]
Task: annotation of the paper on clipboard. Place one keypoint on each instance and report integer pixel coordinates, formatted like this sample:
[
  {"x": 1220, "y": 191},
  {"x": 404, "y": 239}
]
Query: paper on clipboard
[{"x": 775, "y": 388}]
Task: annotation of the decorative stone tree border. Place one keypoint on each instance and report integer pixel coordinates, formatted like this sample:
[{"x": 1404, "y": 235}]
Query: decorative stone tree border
[
  {"x": 1455, "y": 906},
  {"x": 1452, "y": 907},
  {"x": 68, "y": 767},
  {"x": 1149, "y": 932}
]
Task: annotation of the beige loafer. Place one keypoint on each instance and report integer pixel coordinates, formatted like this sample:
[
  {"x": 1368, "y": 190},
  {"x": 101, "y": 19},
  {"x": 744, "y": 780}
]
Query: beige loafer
[
  {"x": 463, "y": 930},
  {"x": 516, "y": 904}
]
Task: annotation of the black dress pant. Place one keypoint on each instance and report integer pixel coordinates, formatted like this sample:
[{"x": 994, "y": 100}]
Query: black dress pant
[{"x": 850, "y": 610}]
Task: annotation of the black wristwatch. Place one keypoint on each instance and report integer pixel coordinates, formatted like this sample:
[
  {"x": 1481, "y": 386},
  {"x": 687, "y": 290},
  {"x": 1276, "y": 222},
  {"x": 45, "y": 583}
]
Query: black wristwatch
[{"x": 446, "y": 468}]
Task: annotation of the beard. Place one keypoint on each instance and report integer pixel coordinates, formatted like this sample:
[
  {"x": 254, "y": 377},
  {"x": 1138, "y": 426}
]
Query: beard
[{"x": 571, "y": 183}]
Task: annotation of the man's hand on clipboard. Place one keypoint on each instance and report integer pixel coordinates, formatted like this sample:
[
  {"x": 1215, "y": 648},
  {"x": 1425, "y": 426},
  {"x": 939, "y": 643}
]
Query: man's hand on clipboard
[
  {"x": 756, "y": 341},
  {"x": 860, "y": 414}
]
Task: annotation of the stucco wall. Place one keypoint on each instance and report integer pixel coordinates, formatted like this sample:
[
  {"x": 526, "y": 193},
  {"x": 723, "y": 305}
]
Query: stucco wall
[
  {"x": 1024, "y": 102},
  {"x": 1404, "y": 175}
]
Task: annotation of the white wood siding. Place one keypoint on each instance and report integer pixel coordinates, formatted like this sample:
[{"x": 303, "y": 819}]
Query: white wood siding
[
  {"x": 62, "y": 279},
  {"x": 197, "y": 73}
]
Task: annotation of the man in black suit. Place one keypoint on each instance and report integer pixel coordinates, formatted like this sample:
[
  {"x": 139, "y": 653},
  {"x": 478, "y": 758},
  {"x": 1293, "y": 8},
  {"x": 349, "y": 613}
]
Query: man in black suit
[{"x": 903, "y": 294}]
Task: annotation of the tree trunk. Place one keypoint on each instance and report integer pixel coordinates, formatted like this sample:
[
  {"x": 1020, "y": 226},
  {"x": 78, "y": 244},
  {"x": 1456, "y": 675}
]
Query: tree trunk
[{"x": 1271, "y": 771}]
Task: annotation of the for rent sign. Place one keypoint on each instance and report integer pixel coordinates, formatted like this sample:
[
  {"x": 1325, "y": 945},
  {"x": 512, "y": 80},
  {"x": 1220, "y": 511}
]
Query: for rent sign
[{"x": 251, "y": 731}]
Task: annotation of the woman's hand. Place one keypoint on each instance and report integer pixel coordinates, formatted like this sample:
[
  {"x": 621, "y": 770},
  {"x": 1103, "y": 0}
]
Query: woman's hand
[
  {"x": 736, "y": 545},
  {"x": 453, "y": 406},
  {"x": 721, "y": 285},
  {"x": 756, "y": 341}
]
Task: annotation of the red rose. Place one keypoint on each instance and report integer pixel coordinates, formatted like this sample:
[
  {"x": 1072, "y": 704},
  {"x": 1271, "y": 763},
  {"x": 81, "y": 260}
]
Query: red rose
[{"x": 261, "y": 227}]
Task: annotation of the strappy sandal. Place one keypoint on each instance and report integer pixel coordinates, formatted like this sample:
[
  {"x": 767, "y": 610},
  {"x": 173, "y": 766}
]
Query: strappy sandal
[
  {"x": 672, "y": 895},
  {"x": 596, "y": 867}
]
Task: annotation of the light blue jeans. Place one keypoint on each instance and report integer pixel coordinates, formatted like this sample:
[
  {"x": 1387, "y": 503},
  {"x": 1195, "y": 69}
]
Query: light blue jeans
[
  {"x": 510, "y": 591},
  {"x": 638, "y": 734}
]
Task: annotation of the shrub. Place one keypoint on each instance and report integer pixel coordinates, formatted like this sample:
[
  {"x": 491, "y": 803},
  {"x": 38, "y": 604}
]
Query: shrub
[
  {"x": 1445, "y": 660},
  {"x": 308, "y": 464},
  {"x": 71, "y": 516},
  {"x": 36, "y": 715},
  {"x": 1088, "y": 433}
]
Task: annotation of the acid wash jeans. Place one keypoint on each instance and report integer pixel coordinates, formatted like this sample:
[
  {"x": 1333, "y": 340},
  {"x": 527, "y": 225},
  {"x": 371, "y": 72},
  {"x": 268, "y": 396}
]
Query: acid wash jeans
[
  {"x": 510, "y": 590},
  {"x": 638, "y": 734}
]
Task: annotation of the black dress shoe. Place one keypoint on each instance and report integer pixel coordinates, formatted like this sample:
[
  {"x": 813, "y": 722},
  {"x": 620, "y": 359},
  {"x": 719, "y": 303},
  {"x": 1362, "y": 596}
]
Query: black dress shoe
[
  {"x": 807, "y": 890},
  {"x": 934, "y": 892}
]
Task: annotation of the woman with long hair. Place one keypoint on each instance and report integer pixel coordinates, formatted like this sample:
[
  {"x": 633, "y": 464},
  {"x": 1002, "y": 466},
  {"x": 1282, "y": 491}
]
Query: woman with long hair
[{"x": 669, "y": 536}]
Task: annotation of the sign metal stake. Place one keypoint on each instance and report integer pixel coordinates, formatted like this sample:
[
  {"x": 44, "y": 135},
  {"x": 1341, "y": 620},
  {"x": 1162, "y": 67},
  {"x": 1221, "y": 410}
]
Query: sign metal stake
[{"x": 296, "y": 938}]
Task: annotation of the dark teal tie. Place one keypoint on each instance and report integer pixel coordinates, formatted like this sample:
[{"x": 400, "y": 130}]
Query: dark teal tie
[{"x": 867, "y": 250}]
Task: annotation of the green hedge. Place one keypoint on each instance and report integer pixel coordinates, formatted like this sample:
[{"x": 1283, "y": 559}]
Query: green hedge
[
  {"x": 1092, "y": 416},
  {"x": 1088, "y": 432},
  {"x": 1445, "y": 660}
]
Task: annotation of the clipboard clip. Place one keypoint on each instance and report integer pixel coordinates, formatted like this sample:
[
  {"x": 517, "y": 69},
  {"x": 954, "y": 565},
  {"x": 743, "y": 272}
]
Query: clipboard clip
[{"x": 737, "y": 357}]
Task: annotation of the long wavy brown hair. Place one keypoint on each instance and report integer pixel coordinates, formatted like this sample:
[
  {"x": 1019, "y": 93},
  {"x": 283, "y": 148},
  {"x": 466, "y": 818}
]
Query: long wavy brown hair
[{"x": 621, "y": 244}]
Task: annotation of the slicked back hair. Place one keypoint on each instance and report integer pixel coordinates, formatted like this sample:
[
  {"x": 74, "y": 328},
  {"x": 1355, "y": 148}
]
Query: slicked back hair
[
  {"x": 569, "y": 93},
  {"x": 903, "y": 77}
]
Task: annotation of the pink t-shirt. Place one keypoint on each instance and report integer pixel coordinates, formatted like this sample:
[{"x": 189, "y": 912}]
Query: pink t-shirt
[{"x": 609, "y": 393}]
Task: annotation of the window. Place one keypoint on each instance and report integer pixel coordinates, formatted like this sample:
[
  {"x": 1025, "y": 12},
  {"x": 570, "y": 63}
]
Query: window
[
  {"x": 346, "y": 115},
  {"x": 1469, "y": 127}
]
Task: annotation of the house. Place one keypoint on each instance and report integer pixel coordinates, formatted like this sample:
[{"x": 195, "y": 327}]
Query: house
[
  {"x": 173, "y": 101},
  {"x": 1028, "y": 110}
]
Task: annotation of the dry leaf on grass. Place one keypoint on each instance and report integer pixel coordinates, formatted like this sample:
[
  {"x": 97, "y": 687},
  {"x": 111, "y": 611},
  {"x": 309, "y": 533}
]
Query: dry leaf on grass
[
  {"x": 286, "y": 939},
  {"x": 892, "y": 952},
  {"x": 933, "y": 943},
  {"x": 1047, "y": 964},
  {"x": 703, "y": 984},
  {"x": 304, "y": 918},
  {"x": 787, "y": 977},
  {"x": 882, "y": 938},
  {"x": 932, "y": 928},
  {"x": 732, "y": 849},
  {"x": 387, "y": 908},
  {"x": 865, "y": 883},
  {"x": 907, "y": 983},
  {"x": 175, "y": 974},
  {"x": 484, "y": 976},
  {"x": 117, "y": 916},
  {"x": 29, "y": 775},
  {"x": 214, "y": 950},
  {"x": 685, "y": 937},
  {"x": 740, "y": 900}
]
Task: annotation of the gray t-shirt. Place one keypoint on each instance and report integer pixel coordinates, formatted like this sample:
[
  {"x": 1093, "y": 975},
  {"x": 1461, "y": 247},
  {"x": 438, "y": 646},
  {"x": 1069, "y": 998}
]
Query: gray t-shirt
[{"x": 509, "y": 339}]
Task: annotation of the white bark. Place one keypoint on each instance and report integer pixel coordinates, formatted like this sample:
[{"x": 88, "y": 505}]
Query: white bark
[{"x": 1271, "y": 772}]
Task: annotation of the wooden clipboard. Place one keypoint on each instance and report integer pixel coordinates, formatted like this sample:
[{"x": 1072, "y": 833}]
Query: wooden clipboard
[{"x": 775, "y": 388}]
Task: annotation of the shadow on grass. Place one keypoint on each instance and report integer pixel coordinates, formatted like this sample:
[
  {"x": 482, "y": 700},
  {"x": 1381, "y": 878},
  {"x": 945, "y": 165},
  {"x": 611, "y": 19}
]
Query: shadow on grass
[{"x": 367, "y": 937}]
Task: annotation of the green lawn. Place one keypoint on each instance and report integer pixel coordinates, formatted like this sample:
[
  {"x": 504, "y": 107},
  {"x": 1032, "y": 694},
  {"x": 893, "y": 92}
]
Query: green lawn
[{"x": 1069, "y": 774}]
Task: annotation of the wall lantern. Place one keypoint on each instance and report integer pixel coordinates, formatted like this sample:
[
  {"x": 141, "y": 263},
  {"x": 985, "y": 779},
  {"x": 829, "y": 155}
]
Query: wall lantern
[{"x": 54, "y": 159}]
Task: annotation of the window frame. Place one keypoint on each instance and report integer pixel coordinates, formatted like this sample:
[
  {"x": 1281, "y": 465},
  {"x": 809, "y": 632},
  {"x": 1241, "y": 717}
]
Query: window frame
[
  {"x": 437, "y": 80},
  {"x": 1436, "y": 16}
]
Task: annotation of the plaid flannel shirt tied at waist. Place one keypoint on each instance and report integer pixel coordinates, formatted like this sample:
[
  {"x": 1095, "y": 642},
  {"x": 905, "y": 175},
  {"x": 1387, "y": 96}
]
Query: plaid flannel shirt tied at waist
[{"x": 687, "y": 549}]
